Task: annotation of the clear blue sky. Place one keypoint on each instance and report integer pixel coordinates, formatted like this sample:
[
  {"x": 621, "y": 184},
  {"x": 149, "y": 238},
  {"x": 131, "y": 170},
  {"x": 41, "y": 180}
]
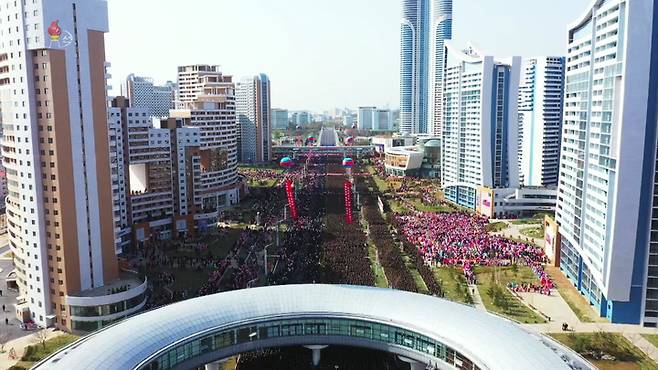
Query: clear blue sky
[{"x": 319, "y": 54}]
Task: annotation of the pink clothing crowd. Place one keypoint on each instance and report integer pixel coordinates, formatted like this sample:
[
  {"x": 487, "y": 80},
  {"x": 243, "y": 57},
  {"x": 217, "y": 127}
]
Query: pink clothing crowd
[{"x": 460, "y": 239}]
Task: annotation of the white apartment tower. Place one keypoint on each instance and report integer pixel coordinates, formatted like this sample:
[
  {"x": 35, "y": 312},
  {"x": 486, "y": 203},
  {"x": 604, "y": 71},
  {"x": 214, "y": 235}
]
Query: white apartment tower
[
  {"x": 56, "y": 152},
  {"x": 540, "y": 120},
  {"x": 480, "y": 129},
  {"x": 607, "y": 207},
  {"x": 254, "y": 115},
  {"x": 143, "y": 93}
]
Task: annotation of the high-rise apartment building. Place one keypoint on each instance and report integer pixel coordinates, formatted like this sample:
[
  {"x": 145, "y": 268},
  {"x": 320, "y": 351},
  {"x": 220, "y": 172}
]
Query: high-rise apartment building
[
  {"x": 254, "y": 115},
  {"x": 145, "y": 182},
  {"x": 480, "y": 128},
  {"x": 440, "y": 31},
  {"x": 56, "y": 153},
  {"x": 365, "y": 118},
  {"x": 607, "y": 202},
  {"x": 143, "y": 93},
  {"x": 280, "y": 118},
  {"x": 540, "y": 120},
  {"x": 207, "y": 101},
  {"x": 426, "y": 24},
  {"x": 382, "y": 120}
]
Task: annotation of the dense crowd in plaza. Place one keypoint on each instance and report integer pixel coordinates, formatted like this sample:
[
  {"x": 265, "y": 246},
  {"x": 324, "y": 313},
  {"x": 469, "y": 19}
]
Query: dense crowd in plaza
[{"x": 461, "y": 239}]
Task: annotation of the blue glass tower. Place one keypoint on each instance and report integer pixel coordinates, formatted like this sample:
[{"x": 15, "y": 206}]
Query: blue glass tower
[
  {"x": 426, "y": 24},
  {"x": 414, "y": 58},
  {"x": 441, "y": 30}
]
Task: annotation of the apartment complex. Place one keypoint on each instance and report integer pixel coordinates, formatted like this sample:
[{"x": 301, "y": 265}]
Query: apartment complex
[
  {"x": 374, "y": 119},
  {"x": 366, "y": 117},
  {"x": 280, "y": 119},
  {"x": 479, "y": 134},
  {"x": 207, "y": 101},
  {"x": 607, "y": 207},
  {"x": 254, "y": 116},
  {"x": 382, "y": 120},
  {"x": 56, "y": 154},
  {"x": 540, "y": 120},
  {"x": 143, "y": 93},
  {"x": 144, "y": 175}
]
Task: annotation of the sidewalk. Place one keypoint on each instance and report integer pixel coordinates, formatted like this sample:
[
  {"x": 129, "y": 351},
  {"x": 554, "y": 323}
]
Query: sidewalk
[
  {"x": 477, "y": 300},
  {"x": 643, "y": 344},
  {"x": 19, "y": 346}
]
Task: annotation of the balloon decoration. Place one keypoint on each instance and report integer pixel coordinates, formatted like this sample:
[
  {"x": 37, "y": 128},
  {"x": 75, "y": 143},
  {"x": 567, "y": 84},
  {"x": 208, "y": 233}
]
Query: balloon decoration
[
  {"x": 348, "y": 162},
  {"x": 347, "y": 189},
  {"x": 287, "y": 163}
]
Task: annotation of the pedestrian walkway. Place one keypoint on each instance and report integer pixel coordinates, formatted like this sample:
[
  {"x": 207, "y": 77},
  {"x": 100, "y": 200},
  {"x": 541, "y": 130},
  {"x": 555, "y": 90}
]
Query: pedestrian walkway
[
  {"x": 552, "y": 306},
  {"x": 643, "y": 344},
  {"x": 19, "y": 346},
  {"x": 477, "y": 300}
]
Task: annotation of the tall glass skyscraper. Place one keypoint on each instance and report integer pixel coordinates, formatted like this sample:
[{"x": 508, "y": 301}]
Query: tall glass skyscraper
[
  {"x": 425, "y": 25},
  {"x": 441, "y": 30}
]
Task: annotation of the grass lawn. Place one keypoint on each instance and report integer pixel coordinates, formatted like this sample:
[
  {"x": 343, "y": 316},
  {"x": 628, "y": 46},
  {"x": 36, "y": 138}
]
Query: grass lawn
[
  {"x": 187, "y": 278},
  {"x": 262, "y": 183},
  {"x": 511, "y": 306},
  {"x": 377, "y": 269},
  {"x": 579, "y": 305},
  {"x": 230, "y": 364},
  {"x": 438, "y": 208},
  {"x": 420, "y": 283},
  {"x": 453, "y": 284},
  {"x": 496, "y": 226},
  {"x": 592, "y": 345},
  {"x": 37, "y": 352},
  {"x": 527, "y": 221},
  {"x": 533, "y": 232},
  {"x": 222, "y": 245},
  {"x": 396, "y": 207}
]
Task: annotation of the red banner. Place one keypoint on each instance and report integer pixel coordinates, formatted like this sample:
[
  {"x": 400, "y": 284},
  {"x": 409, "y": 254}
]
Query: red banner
[
  {"x": 347, "y": 187},
  {"x": 290, "y": 192}
]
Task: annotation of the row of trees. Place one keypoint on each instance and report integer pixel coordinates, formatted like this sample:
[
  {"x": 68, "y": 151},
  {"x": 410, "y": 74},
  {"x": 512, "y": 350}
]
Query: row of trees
[{"x": 390, "y": 255}]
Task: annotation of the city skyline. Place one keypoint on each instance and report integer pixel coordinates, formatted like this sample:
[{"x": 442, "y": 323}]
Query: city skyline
[{"x": 341, "y": 43}]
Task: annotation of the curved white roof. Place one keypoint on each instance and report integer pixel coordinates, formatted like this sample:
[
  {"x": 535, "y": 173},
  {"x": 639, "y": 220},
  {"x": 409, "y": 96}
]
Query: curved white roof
[{"x": 490, "y": 341}]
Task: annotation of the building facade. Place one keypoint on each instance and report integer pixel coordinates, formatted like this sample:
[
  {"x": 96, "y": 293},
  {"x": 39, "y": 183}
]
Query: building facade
[
  {"x": 56, "y": 152},
  {"x": 366, "y": 117},
  {"x": 382, "y": 120},
  {"x": 207, "y": 101},
  {"x": 280, "y": 119},
  {"x": 440, "y": 31},
  {"x": 426, "y": 24},
  {"x": 480, "y": 129},
  {"x": 414, "y": 66},
  {"x": 540, "y": 120},
  {"x": 143, "y": 93},
  {"x": 254, "y": 115},
  {"x": 607, "y": 202}
]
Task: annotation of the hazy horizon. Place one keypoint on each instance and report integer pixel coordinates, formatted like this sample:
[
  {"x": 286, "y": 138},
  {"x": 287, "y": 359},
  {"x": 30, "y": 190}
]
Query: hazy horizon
[{"x": 320, "y": 54}]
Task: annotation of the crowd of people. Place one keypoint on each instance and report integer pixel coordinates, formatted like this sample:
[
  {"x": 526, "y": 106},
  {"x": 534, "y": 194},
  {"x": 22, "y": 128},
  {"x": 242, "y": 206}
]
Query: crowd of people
[{"x": 461, "y": 239}]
